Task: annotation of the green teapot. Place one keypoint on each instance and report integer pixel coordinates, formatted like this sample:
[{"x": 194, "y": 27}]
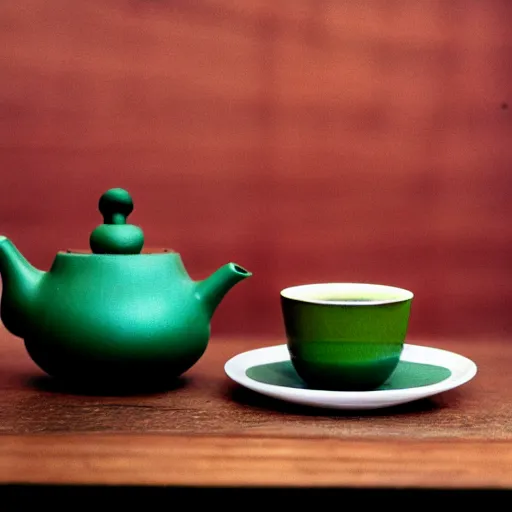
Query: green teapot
[{"x": 114, "y": 316}]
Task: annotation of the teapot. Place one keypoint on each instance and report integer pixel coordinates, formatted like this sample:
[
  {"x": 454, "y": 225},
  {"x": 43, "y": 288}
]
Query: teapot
[{"x": 116, "y": 315}]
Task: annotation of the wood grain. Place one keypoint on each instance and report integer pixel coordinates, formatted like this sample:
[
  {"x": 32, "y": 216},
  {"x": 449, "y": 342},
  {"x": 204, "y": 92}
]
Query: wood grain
[
  {"x": 307, "y": 141},
  {"x": 211, "y": 432}
]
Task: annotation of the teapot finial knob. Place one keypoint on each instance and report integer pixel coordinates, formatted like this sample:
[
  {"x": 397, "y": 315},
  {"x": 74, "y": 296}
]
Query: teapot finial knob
[
  {"x": 115, "y": 205},
  {"x": 115, "y": 236}
]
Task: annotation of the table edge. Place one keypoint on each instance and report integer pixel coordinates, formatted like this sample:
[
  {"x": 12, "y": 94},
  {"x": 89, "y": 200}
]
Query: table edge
[{"x": 225, "y": 461}]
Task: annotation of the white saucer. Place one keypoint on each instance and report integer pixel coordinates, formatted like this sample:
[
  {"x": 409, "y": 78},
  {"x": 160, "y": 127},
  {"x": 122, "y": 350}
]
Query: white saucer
[{"x": 269, "y": 371}]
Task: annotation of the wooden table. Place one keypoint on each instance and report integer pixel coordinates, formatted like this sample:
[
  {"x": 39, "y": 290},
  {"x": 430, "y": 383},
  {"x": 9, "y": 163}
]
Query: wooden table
[{"x": 211, "y": 433}]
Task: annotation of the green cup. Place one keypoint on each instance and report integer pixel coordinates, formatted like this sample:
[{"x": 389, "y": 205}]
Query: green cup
[{"x": 345, "y": 336}]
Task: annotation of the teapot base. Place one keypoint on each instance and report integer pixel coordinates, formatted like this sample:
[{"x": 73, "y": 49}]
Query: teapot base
[
  {"x": 100, "y": 376},
  {"x": 99, "y": 388}
]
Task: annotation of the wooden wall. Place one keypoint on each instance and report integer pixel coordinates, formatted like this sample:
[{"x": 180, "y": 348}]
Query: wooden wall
[{"x": 307, "y": 140}]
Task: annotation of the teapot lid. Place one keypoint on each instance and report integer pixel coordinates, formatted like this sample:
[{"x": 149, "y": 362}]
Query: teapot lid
[{"x": 115, "y": 236}]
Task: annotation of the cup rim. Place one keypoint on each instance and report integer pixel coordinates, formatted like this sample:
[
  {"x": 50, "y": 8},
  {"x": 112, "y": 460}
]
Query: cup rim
[{"x": 306, "y": 293}]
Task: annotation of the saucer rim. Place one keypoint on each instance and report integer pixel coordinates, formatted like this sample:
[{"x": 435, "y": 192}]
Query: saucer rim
[{"x": 237, "y": 366}]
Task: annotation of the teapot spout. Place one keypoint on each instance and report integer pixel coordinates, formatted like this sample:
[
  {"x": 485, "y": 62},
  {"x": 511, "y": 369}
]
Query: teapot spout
[
  {"x": 19, "y": 285},
  {"x": 213, "y": 289}
]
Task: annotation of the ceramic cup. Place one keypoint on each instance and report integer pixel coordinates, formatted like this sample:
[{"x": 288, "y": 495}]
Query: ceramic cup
[{"x": 345, "y": 336}]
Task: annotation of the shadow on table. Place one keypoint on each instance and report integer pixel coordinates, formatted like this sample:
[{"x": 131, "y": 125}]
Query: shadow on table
[{"x": 17, "y": 497}]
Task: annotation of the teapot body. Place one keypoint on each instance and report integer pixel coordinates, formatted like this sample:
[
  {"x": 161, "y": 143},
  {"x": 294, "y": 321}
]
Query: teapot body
[{"x": 117, "y": 319}]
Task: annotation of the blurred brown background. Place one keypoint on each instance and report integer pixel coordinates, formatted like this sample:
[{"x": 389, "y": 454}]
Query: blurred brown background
[{"x": 305, "y": 140}]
